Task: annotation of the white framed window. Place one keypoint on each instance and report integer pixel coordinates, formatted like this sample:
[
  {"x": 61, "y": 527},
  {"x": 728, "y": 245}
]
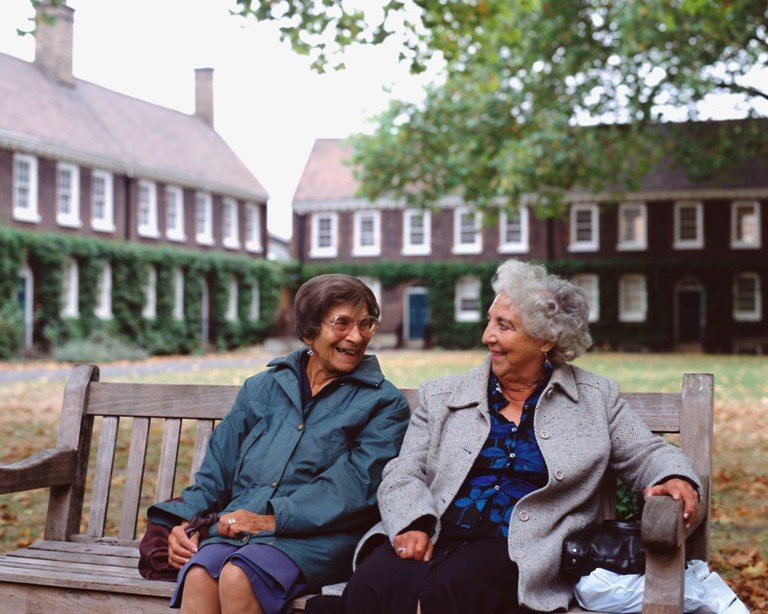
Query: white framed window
[
  {"x": 513, "y": 231},
  {"x": 70, "y": 290},
  {"x": 584, "y": 228},
  {"x": 689, "y": 225},
  {"x": 147, "y": 220},
  {"x": 590, "y": 284},
  {"x": 633, "y": 298},
  {"x": 68, "y": 195},
  {"x": 102, "y": 202},
  {"x": 417, "y": 232},
  {"x": 174, "y": 213},
  {"x": 178, "y": 294},
  {"x": 467, "y": 299},
  {"x": 103, "y": 309},
  {"x": 747, "y": 298},
  {"x": 375, "y": 285},
  {"x": 467, "y": 235},
  {"x": 230, "y": 223},
  {"x": 745, "y": 224},
  {"x": 253, "y": 228},
  {"x": 203, "y": 218},
  {"x": 367, "y": 233},
  {"x": 25, "y": 188},
  {"x": 325, "y": 233},
  {"x": 231, "y": 313},
  {"x": 633, "y": 227},
  {"x": 254, "y": 311},
  {"x": 150, "y": 294}
]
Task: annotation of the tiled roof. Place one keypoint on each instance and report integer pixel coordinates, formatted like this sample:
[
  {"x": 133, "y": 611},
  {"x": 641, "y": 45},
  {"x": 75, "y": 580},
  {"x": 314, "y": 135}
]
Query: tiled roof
[
  {"x": 92, "y": 124},
  {"x": 327, "y": 177}
]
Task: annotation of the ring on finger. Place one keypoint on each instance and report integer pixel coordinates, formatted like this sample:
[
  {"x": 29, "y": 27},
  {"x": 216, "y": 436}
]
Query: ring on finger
[
  {"x": 231, "y": 520},
  {"x": 400, "y": 550}
]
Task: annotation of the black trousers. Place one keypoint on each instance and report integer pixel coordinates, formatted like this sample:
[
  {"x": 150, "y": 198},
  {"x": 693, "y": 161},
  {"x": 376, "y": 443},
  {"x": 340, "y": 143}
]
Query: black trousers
[{"x": 463, "y": 577}]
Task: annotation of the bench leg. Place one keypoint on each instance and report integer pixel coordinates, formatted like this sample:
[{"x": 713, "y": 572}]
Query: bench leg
[{"x": 664, "y": 573}]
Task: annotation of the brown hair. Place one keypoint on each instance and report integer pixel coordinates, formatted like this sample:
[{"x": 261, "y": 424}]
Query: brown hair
[{"x": 317, "y": 295}]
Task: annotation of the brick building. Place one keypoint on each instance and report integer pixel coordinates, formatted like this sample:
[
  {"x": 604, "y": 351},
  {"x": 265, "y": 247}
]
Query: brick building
[
  {"x": 674, "y": 265},
  {"x": 78, "y": 159}
]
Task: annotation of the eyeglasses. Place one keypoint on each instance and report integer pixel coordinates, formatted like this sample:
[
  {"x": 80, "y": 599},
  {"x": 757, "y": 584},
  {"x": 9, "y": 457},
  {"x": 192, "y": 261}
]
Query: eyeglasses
[{"x": 341, "y": 325}]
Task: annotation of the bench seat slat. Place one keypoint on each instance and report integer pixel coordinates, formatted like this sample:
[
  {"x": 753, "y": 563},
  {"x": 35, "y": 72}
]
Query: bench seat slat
[
  {"x": 69, "y": 577},
  {"x": 89, "y": 547},
  {"x": 161, "y": 400},
  {"x": 77, "y": 557},
  {"x": 116, "y": 571}
]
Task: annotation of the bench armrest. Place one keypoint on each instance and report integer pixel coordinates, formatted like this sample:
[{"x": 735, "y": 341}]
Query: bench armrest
[
  {"x": 662, "y": 524},
  {"x": 51, "y": 467}
]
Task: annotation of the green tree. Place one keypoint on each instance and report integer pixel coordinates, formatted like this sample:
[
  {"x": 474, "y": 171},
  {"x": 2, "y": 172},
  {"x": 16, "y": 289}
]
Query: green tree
[{"x": 545, "y": 96}]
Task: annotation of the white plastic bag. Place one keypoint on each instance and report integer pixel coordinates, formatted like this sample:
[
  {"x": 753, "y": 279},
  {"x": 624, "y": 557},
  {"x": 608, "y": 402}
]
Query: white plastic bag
[{"x": 705, "y": 592}]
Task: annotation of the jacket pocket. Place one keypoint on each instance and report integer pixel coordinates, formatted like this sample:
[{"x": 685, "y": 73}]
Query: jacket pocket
[{"x": 250, "y": 439}]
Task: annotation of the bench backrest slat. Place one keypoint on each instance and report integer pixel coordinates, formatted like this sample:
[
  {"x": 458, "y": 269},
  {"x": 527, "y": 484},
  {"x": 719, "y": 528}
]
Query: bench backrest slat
[
  {"x": 204, "y": 430},
  {"x": 161, "y": 400},
  {"x": 134, "y": 476},
  {"x": 169, "y": 455},
  {"x": 102, "y": 477}
]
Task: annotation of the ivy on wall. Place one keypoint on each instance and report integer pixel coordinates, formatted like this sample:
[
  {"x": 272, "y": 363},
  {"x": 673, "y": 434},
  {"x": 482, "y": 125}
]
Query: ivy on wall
[
  {"x": 655, "y": 333},
  {"x": 47, "y": 253}
]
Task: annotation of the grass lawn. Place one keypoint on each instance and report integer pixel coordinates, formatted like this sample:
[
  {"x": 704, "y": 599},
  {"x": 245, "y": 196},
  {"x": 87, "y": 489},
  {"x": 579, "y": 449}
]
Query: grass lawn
[{"x": 29, "y": 414}]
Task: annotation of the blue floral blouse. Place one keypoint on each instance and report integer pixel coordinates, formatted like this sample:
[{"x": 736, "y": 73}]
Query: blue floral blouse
[{"x": 509, "y": 466}]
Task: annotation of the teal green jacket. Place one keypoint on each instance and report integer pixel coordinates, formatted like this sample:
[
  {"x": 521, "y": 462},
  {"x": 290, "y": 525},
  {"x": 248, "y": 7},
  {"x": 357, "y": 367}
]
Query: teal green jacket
[{"x": 316, "y": 470}]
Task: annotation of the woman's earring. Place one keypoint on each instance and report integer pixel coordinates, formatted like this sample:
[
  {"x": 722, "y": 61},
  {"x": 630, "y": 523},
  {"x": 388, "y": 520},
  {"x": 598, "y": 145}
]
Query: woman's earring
[
  {"x": 546, "y": 360},
  {"x": 310, "y": 352}
]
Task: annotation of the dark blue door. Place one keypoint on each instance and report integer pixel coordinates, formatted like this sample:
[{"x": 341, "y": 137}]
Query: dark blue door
[{"x": 418, "y": 314}]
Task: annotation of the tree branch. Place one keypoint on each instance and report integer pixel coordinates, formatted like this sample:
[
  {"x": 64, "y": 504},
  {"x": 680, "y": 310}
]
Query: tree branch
[{"x": 742, "y": 89}]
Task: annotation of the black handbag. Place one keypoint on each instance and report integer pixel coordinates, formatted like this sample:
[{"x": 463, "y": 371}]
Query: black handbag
[{"x": 614, "y": 545}]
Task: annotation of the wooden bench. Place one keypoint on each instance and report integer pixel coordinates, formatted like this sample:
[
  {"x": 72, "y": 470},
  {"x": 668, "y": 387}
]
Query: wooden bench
[{"x": 77, "y": 568}]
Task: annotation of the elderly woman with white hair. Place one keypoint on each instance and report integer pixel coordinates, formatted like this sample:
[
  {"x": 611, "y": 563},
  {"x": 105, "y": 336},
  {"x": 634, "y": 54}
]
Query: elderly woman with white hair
[{"x": 501, "y": 463}]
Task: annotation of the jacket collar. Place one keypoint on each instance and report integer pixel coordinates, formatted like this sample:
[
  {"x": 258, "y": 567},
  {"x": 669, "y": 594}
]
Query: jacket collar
[
  {"x": 472, "y": 390},
  {"x": 368, "y": 372}
]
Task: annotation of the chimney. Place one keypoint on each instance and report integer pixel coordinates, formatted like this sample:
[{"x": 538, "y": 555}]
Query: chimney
[
  {"x": 204, "y": 94},
  {"x": 53, "y": 42}
]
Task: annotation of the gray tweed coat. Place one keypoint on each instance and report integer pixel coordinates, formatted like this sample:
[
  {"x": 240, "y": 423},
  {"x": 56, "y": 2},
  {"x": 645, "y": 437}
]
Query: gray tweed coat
[{"x": 583, "y": 429}]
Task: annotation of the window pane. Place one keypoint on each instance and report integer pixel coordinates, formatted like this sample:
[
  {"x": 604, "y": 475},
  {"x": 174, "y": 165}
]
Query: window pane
[
  {"x": 632, "y": 225},
  {"x": 746, "y": 224},
  {"x": 583, "y": 225},
  {"x": 366, "y": 231},
  {"x": 324, "y": 232},
  {"x": 688, "y": 226},
  {"x": 98, "y": 198},
  {"x": 416, "y": 235},
  {"x": 468, "y": 232},
  {"x": 64, "y": 184},
  {"x": 513, "y": 229}
]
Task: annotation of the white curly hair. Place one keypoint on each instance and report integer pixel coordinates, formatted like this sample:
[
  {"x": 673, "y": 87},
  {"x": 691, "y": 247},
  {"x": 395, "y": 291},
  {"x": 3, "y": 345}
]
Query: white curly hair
[{"x": 550, "y": 307}]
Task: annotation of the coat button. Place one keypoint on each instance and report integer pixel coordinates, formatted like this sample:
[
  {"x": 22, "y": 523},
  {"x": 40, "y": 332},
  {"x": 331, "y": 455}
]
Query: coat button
[
  {"x": 299, "y": 427},
  {"x": 545, "y": 434},
  {"x": 520, "y": 554},
  {"x": 559, "y": 475},
  {"x": 524, "y": 516},
  {"x": 273, "y": 484},
  {"x": 548, "y": 393}
]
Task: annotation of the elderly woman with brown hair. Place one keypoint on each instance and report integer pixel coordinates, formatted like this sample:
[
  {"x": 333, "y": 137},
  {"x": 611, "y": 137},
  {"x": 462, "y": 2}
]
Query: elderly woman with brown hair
[
  {"x": 292, "y": 469},
  {"x": 501, "y": 463}
]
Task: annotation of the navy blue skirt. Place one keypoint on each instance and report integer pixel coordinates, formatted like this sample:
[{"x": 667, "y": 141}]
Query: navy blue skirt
[{"x": 274, "y": 577}]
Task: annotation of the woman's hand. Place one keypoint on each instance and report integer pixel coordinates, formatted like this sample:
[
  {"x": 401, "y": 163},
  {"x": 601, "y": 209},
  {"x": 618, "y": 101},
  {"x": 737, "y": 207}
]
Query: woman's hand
[
  {"x": 180, "y": 547},
  {"x": 232, "y": 524},
  {"x": 678, "y": 489},
  {"x": 413, "y": 545}
]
